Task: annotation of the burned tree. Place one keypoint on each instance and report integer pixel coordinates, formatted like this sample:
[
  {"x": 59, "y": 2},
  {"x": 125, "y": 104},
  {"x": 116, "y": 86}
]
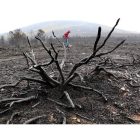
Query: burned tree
[{"x": 61, "y": 80}]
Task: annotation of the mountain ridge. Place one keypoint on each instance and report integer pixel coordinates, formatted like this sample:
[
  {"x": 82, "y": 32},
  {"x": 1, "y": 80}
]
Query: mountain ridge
[{"x": 77, "y": 28}]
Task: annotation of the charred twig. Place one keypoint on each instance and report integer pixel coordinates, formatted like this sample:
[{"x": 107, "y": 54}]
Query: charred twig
[
  {"x": 27, "y": 61},
  {"x": 30, "y": 58},
  {"x": 93, "y": 55},
  {"x": 64, "y": 58},
  {"x": 34, "y": 119},
  {"x": 4, "y": 111},
  {"x": 63, "y": 114},
  {"x": 31, "y": 48},
  {"x": 10, "y": 99},
  {"x": 131, "y": 119},
  {"x": 101, "y": 54},
  {"x": 60, "y": 71},
  {"x": 106, "y": 61},
  {"x": 43, "y": 45},
  {"x": 45, "y": 64},
  {"x": 69, "y": 99},
  {"x": 134, "y": 86},
  {"x": 57, "y": 64},
  {"x": 13, "y": 115},
  {"x": 98, "y": 69},
  {"x": 70, "y": 79},
  {"x": 36, "y": 104},
  {"x": 61, "y": 104},
  {"x": 81, "y": 87},
  {"x": 125, "y": 65},
  {"x": 84, "y": 117}
]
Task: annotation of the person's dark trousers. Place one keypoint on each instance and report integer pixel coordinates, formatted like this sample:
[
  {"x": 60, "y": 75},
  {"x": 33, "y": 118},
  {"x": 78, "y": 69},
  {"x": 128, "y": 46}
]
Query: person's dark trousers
[{"x": 66, "y": 42}]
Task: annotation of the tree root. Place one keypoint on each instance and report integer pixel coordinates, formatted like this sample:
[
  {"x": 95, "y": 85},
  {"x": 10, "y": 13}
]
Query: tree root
[
  {"x": 23, "y": 78},
  {"x": 89, "y": 88},
  {"x": 23, "y": 100},
  {"x": 34, "y": 119}
]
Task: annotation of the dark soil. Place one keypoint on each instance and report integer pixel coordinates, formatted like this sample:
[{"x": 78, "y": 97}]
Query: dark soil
[{"x": 123, "y": 100}]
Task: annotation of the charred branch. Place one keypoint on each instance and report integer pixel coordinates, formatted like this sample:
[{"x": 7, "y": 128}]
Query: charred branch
[
  {"x": 64, "y": 58},
  {"x": 95, "y": 50}
]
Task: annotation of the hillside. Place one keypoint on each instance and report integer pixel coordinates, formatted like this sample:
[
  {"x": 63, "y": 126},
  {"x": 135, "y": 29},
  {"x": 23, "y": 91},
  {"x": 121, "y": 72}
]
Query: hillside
[{"x": 78, "y": 28}]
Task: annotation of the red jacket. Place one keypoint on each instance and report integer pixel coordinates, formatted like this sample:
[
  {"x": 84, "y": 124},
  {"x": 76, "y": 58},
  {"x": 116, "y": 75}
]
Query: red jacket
[{"x": 67, "y": 34}]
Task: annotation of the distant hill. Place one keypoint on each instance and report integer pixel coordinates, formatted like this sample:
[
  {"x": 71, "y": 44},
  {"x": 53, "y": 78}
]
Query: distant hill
[{"x": 77, "y": 28}]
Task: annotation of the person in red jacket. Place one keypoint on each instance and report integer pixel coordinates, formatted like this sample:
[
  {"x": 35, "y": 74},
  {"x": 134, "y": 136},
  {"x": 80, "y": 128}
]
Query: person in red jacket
[{"x": 66, "y": 36}]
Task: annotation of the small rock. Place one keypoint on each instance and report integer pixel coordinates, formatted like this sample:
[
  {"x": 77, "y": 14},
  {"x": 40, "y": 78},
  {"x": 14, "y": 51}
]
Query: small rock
[
  {"x": 2, "y": 89},
  {"x": 78, "y": 120}
]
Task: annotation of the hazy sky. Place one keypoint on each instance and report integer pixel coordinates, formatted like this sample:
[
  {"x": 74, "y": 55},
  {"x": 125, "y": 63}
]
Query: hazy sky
[{"x": 19, "y": 13}]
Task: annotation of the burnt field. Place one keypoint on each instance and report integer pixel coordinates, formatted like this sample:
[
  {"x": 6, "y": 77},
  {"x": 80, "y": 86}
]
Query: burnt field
[{"x": 115, "y": 75}]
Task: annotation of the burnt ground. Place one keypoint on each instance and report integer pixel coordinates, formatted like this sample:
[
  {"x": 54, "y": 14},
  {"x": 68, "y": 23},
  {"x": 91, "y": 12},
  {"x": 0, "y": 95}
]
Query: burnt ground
[{"x": 123, "y": 100}]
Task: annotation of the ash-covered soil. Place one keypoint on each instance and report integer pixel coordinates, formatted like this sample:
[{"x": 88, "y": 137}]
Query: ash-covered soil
[{"x": 122, "y": 104}]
